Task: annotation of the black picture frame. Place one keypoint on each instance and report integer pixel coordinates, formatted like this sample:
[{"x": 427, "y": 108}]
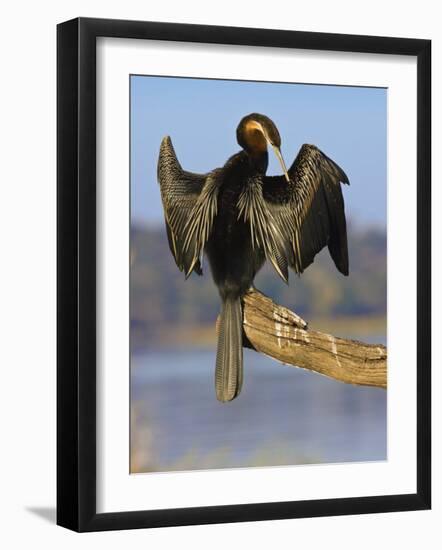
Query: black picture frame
[{"x": 76, "y": 273}]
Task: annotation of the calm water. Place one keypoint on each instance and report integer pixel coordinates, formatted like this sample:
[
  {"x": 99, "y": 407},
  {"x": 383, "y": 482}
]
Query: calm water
[{"x": 283, "y": 415}]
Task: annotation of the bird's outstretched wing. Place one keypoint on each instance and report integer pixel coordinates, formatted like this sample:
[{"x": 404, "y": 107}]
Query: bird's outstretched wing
[
  {"x": 309, "y": 210},
  {"x": 189, "y": 202}
]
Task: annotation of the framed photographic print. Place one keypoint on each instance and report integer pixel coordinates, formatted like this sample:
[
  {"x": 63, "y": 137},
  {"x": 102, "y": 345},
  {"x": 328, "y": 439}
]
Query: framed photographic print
[{"x": 232, "y": 204}]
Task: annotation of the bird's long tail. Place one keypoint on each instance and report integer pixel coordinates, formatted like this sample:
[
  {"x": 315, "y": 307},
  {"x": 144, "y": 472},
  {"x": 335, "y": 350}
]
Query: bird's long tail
[{"x": 229, "y": 356}]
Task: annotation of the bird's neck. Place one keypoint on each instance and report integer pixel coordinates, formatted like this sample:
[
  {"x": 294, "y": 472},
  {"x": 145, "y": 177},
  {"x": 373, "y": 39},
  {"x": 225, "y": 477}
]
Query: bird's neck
[
  {"x": 258, "y": 161},
  {"x": 248, "y": 163}
]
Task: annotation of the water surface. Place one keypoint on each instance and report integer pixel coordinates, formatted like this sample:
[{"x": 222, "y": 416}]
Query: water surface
[{"x": 283, "y": 415}]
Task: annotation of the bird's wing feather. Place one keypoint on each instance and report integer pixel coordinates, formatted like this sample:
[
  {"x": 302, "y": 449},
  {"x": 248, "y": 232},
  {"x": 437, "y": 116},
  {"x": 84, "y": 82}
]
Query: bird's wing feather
[
  {"x": 309, "y": 210},
  {"x": 189, "y": 202},
  {"x": 265, "y": 234}
]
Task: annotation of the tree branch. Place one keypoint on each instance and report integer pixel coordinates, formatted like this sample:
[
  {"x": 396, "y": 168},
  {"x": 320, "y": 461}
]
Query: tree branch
[{"x": 279, "y": 333}]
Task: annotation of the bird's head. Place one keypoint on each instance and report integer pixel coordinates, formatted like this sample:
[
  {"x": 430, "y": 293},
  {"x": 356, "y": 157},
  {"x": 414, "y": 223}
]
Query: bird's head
[{"x": 255, "y": 132}]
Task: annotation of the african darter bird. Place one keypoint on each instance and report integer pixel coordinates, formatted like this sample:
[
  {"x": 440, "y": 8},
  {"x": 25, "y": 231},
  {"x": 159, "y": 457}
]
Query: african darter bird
[{"x": 239, "y": 218}]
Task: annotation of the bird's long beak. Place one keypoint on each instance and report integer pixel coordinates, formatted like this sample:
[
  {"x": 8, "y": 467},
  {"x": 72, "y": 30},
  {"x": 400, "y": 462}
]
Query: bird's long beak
[{"x": 281, "y": 160}]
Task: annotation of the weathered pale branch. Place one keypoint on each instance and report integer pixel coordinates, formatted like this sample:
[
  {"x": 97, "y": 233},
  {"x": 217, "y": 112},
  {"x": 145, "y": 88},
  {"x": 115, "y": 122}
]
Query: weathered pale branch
[{"x": 279, "y": 333}]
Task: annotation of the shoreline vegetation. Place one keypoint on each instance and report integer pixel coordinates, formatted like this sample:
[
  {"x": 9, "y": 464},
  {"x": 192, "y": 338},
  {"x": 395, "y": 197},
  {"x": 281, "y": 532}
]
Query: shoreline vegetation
[
  {"x": 204, "y": 335},
  {"x": 167, "y": 310}
]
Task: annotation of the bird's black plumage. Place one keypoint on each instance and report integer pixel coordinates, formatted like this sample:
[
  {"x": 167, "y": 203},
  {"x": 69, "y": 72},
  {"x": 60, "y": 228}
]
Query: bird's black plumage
[{"x": 239, "y": 218}]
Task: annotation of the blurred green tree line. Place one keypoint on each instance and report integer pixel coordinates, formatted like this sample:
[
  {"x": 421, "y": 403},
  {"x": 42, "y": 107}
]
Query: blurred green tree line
[{"x": 160, "y": 295}]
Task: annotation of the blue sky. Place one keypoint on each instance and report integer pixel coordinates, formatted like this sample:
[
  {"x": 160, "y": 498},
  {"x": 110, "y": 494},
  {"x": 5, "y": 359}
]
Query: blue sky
[{"x": 349, "y": 124}]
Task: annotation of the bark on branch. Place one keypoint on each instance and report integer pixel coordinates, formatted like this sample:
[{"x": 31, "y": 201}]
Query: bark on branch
[{"x": 279, "y": 333}]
